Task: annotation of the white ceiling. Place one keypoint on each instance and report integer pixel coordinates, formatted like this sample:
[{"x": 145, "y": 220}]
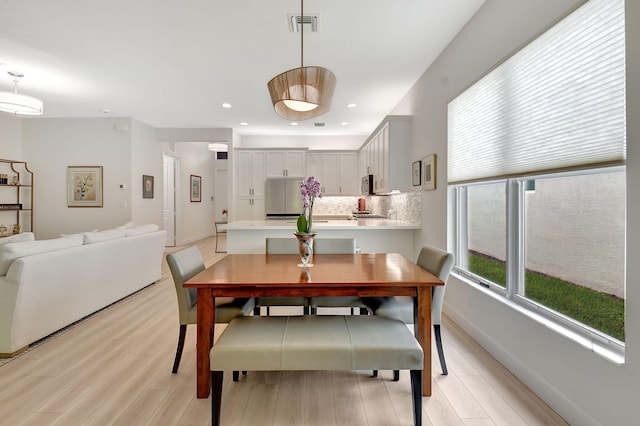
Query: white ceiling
[{"x": 172, "y": 63}]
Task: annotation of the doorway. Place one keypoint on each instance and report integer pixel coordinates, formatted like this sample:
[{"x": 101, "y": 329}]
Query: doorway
[
  {"x": 221, "y": 195},
  {"x": 170, "y": 173}
]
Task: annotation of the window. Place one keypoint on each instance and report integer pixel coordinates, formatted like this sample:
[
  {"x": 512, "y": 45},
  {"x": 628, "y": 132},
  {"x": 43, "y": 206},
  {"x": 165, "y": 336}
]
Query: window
[
  {"x": 536, "y": 167},
  {"x": 485, "y": 253},
  {"x": 568, "y": 244}
]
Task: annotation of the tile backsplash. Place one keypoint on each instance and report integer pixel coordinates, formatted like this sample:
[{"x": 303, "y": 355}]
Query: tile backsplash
[{"x": 407, "y": 206}]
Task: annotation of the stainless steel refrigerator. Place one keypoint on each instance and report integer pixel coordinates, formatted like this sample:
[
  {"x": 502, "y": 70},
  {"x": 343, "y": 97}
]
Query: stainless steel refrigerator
[{"x": 282, "y": 197}]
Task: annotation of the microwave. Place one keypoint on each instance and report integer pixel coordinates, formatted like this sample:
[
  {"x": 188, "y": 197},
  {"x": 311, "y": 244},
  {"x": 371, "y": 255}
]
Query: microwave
[{"x": 367, "y": 185}]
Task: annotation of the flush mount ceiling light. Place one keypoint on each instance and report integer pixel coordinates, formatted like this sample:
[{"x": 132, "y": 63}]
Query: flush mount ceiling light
[
  {"x": 16, "y": 103},
  {"x": 305, "y": 92},
  {"x": 218, "y": 147}
]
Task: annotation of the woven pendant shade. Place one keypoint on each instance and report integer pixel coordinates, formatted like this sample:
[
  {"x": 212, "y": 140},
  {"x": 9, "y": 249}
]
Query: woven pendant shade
[{"x": 302, "y": 93}]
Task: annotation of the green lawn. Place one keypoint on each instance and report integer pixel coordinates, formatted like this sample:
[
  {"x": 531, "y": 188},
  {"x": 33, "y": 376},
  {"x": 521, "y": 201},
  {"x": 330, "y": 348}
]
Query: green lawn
[{"x": 601, "y": 311}]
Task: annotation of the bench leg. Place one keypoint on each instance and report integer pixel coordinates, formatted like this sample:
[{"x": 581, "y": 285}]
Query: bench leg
[
  {"x": 176, "y": 361},
  {"x": 396, "y": 374},
  {"x": 416, "y": 392},
  {"x": 216, "y": 396}
]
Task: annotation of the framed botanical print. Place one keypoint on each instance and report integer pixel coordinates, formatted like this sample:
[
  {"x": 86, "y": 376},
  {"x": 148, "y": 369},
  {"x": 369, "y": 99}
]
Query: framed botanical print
[
  {"x": 429, "y": 172},
  {"x": 196, "y": 189},
  {"x": 147, "y": 186},
  {"x": 84, "y": 186}
]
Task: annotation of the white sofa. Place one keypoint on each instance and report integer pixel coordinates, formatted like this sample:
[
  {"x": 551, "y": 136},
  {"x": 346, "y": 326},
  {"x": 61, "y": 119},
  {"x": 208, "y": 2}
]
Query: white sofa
[{"x": 50, "y": 284}]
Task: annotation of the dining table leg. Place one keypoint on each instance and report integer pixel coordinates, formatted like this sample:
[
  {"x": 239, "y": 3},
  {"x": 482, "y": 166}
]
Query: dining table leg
[
  {"x": 423, "y": 334},
  {"x": 206, "y": 323}
]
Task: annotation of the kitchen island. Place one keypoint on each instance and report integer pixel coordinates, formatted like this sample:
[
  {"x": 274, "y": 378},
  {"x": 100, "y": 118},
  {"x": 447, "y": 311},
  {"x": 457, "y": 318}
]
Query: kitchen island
[{"x": 372, "y": 235}]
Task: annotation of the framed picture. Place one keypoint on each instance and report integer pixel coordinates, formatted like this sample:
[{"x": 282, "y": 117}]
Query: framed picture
[
  {"x": 429, "y": 172},
  {"x": 84, "y": 186},
  {"x": 147, "y": 186},
  {"x": 196, "y": 189},
  {"x": 416, "y": 173}
]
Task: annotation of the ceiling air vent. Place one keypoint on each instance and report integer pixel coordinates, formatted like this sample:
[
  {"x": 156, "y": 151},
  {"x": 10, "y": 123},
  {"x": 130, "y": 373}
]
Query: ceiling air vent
[
  {"x": 318, "y": 124},
  {"x": 308, "y": 22}
]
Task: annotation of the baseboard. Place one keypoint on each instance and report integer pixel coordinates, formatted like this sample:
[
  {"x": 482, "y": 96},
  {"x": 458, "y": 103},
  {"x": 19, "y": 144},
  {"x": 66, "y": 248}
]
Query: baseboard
[{"x": 12, "y": 354}]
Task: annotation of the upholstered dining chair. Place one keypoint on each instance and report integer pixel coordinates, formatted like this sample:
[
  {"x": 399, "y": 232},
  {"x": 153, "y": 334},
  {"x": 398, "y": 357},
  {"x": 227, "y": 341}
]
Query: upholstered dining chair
[
  {"x": 336, "y": 246},
  {"x": 281, "y": 246},
  {"x": 184, "y": 264},
  {"x": 439, "y": 263}
]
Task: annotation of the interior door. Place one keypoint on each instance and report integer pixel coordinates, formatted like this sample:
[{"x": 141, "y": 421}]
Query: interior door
[
  {"x": 169, "y": 199},
  {"x": 221, "y": 195}
]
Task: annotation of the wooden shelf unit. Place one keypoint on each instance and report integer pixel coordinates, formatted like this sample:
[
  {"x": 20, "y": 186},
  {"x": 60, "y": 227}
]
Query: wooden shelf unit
[{"x": 23, "y": 195}]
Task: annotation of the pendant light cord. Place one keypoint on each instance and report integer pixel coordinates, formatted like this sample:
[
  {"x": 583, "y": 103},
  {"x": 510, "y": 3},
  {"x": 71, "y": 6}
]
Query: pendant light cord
[{"x": 301, "y": 33}]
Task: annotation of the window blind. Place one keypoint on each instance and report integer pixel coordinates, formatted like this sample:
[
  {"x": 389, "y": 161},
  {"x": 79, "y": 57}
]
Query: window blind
[{"x": 557, "y": 104}]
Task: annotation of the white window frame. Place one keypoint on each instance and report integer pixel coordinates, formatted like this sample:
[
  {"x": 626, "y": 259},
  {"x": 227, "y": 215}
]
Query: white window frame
[{"x": 599, "y": 342}]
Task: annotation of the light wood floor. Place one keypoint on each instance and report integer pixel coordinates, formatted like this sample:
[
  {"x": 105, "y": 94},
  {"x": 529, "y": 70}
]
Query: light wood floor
[{"x": 115, "y": 368}]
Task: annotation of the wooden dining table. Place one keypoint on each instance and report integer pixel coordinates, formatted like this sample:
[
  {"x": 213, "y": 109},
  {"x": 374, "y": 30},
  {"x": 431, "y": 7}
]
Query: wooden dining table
[{"x": 269, "y": 275}]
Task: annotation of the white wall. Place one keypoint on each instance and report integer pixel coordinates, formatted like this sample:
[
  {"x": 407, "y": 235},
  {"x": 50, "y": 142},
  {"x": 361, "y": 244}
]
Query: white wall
[
  {"x": 583, "y": 387},
  {"x": 146, "y": 159},
  {"x": 52, "y": 144},
  {"x": 10, "y": 137}
]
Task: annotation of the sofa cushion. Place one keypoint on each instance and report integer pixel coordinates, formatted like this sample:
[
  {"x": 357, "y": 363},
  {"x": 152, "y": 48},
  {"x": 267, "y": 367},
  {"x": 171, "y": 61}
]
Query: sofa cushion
[
  {"x": 99, "y": 236},
  {"x": 25, "y": 236},
  {"x": 12, "y": 251},
  {"x": 140, "y": 229}
]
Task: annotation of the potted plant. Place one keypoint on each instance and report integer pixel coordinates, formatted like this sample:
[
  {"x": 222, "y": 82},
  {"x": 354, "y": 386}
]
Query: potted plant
[{"x": 310, "y": 190}]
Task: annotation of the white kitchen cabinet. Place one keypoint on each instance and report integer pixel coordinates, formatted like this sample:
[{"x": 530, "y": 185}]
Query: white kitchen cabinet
[
  {"x": 250, "y": 175},
  {"x": 387, "y": 156},
  {"x": 349, "y": 177},
  {"x": 250, "y": 209},
  {"x": 286, "y": 163},
  {"x": 336, "y": 171}
]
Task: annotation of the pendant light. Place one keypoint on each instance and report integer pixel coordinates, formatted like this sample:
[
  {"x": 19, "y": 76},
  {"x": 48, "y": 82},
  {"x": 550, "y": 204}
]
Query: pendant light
[
  {"x": 16, "y": 103},
  {"x": 304, "y": 92}
]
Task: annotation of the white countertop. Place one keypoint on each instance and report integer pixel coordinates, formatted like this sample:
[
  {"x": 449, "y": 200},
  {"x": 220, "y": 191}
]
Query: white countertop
[{"x": 321, "y": 224}]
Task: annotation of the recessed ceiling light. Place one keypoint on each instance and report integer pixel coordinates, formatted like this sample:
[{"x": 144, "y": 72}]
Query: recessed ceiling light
[
  {"x": 226, "y": 105},
  {"x": 244, "y": 123},
  {"x": 294, "y": 123},
  {"x": 344, "y": 123},
  {"x": 351, "y": 105}
]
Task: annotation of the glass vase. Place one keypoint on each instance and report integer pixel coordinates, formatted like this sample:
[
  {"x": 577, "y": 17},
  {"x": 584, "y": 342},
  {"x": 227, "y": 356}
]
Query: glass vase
[{"x": 305, "y": 248}]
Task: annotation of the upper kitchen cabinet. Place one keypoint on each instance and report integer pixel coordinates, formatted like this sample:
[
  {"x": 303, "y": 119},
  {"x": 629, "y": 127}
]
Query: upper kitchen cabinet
[
  {"x": 250, "y": 173},
  {"x": 336, "y": 171},
  {"x": 251, "y": 176},
  {"x": 286, "y": 163},
  {"x": 386, "y": 155}
]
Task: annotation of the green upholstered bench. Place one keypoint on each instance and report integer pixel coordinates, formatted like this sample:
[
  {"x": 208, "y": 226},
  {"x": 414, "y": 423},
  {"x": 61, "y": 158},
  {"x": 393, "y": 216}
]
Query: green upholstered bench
[{"x": 324, "y": 342}]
